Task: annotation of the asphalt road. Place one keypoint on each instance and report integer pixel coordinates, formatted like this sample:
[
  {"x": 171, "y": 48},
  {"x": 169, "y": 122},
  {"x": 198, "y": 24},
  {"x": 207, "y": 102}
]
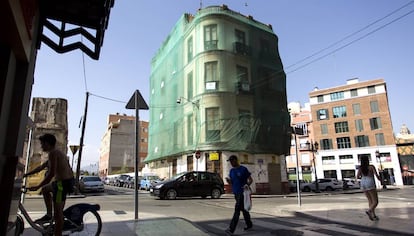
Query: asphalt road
[{"x": 214, "y": 214}]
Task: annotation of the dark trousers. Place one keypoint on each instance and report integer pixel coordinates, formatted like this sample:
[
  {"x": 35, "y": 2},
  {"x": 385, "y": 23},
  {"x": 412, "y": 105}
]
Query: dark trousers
[{"x": 237, "y": 208}]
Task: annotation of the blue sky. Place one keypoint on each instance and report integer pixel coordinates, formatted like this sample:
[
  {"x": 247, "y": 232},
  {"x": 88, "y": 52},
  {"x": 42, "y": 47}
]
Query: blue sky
[{"x": 137, "y": 29}]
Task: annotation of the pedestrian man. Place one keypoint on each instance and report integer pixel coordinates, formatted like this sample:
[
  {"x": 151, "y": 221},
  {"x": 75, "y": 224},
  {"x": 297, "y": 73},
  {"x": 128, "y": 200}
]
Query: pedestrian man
[{"x": 239, "y": 178}]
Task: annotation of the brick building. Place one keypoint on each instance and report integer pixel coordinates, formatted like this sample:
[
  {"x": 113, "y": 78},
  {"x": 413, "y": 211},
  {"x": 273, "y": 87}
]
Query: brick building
[
  {"x": 351, "y": 121},
  {"x": 117, "y": 145}
]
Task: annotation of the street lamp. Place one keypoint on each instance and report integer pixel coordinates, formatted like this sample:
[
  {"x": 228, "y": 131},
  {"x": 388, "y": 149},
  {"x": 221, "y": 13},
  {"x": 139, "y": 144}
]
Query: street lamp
[
  {"x": 179, "y": 101},
  {"x": 313, "y": 147},
  {"x": 378, "y": 155}
]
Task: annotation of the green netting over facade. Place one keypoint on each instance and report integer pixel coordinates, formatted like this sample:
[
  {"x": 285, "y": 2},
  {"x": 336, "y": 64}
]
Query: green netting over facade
[{"x": 217, "y": 84}]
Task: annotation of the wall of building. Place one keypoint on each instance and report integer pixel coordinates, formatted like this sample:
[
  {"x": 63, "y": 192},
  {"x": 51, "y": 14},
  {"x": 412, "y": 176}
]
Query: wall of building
[
  {"x": 336, "y": 160},
  {"x": 117, "y": 149},
  {"x": 215, "y": 114}
]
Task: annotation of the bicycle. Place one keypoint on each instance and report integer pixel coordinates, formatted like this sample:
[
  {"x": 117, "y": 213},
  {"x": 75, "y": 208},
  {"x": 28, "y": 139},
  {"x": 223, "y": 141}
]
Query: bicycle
[{"x": 79, "y": 219}]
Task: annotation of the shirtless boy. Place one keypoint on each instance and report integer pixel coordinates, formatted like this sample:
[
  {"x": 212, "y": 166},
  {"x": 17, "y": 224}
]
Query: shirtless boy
[{"x": 58, "y": 182}]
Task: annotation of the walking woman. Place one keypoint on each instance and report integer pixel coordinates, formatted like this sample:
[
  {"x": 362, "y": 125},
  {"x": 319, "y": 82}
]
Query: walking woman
[{"x": 366, "y": 173}]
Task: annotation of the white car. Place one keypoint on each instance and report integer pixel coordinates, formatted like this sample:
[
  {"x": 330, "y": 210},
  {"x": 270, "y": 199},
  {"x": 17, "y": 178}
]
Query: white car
[
  {"x": 351, "y": 184},
  {"x": 326, "y": 184},
  {"x": 91, "y": 184}
]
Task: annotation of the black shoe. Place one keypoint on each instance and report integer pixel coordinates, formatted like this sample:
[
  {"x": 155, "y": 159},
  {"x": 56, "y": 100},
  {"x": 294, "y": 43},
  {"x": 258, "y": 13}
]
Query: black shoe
[
  {"x": 228, "y": 232},
  {"x": 369, "y": 215},
  {"x": 248, "y": 227},
  {"x": 45, "y": 218}
]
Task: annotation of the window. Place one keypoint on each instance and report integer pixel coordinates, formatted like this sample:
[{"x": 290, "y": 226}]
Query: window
[
  {"x": 330, "y": 174},
  {"x": 361, "y": 155},
  {"x": 362, "y": 141},
  {"x": 356, "y": 108},
  {"x": 337, "y": 96},
  {"x": 242, "y": 74},
  {"x": 326, "y": 144},
  {"x": 348, "y": 174},
  {"x": 190, "y": 129},
  {"x": 354, "y": 92},
  {"x": 240, "y": 36},
  {"x": 244, "y": 119},
  {"x": 343, "y": 142},
  {"x": 210, "y": 37},
  {"x": 320, "y": 98},
  {"x": 211, "y": 71},
  {"x": 303, "y": 126},
  {"x": 211, "y": 75},
  {"x": 339, "y": 111},
  {"x": 375, "y": 123},
  {"x": 322, "y": 114},
  {"x": 371, "y": 89},
  {"x": 190, "y": 49},
  {"x": 190, "y": 85},
  {"x": 328, "y": 160},
  {"x": 379, "y": 138},
  {"x": 374, "y": 106},
  {"x": 240, "y": 44},
  {"x": 324, "y": 129},
  {"x": 359, "y": 125},
  {"x": 212, "y": 124},
  {"x": 341, "y": 127},
  {"x": 346, "y": 159}
]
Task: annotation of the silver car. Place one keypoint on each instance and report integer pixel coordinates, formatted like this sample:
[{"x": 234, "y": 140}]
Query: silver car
[
  {"x": 326, "y": 184},
  {"x": 91, "y": 184}
]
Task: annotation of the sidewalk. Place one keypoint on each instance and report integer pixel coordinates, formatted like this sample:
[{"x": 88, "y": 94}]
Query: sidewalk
[{"x": 394, "y": 217}]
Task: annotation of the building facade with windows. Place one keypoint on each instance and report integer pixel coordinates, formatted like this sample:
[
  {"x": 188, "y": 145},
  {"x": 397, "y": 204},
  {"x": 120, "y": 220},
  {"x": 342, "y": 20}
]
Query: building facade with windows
[
  {"x": 117, "y": 149},
  {"x": 405, "y": 149},
  {"x": 301, "y": 118},
  {"x": 351, "y": 121},
  {"x": 218, "y": 88}
]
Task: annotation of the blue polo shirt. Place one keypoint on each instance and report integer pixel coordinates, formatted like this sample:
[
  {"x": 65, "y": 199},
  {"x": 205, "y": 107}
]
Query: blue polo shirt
[{"x": 238, "y": 176}]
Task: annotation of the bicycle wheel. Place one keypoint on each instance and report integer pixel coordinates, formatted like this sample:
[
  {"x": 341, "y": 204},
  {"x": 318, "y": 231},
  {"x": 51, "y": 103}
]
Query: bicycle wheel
[{"x": 92, "y": 224}]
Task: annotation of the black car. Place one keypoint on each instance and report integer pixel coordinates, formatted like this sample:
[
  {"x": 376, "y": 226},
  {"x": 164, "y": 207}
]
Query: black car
[
  {"x": 190, "y": 184},
  {"x": 120, "y": 180}
]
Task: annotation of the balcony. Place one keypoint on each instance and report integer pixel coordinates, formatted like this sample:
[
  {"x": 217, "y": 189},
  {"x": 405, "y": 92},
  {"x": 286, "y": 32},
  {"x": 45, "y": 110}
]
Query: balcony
[
  {"x": 210, "y": 45},
  {"x": 241, "y": 48},
  {"x": 243, "y": 88}
]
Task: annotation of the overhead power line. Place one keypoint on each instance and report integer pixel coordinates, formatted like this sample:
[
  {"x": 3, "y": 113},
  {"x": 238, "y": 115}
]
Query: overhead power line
[
  {"x": 106, "y": 98},
  {"x": 352, "y": 42},
  {"x": 350, "y": 35}
]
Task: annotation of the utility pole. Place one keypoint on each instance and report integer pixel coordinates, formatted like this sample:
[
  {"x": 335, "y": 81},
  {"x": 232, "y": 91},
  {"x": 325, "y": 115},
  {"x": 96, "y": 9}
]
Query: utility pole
[{"x": 81, "y": 143}]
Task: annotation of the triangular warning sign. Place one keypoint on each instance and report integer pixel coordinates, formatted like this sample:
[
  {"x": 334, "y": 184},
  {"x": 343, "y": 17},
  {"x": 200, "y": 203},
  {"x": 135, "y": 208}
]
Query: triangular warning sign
[{"x": 74, "y": 148}]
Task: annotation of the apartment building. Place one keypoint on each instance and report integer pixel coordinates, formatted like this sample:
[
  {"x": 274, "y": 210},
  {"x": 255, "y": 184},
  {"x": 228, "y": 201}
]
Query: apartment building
[
  {"x": 300, "y": 153},
  {"x": 350, "y": 121},
  {"x": 218, "y": 88},
  {"x": 117, "y": 151},
  {"x": 405, "y": 149}
]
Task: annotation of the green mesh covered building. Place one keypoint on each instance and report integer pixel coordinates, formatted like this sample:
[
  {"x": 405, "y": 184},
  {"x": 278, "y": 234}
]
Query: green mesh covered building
[{"x": 218, "y": 88}]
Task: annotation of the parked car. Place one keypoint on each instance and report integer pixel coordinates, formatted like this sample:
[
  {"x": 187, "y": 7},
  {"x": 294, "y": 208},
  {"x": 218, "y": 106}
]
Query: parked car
[
  {"x": 190, "y": 184},
  {"x": 120, "y": 180},
  {"x": 326, "y": 184},
  {"x": 350, "y": 184},
  {"x": 293, "y": 187},
  {"x": 130, "y": 182},
  {"x": 91, "y": 184},
  {"x": 148, "y": 180}
]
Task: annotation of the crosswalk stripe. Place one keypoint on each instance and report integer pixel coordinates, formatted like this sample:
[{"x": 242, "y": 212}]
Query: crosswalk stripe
[{"x": 307, "y": 228}]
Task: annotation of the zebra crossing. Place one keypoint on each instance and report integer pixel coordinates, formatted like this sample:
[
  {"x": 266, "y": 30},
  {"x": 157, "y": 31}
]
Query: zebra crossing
[{"x": 293, "y": 226}]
